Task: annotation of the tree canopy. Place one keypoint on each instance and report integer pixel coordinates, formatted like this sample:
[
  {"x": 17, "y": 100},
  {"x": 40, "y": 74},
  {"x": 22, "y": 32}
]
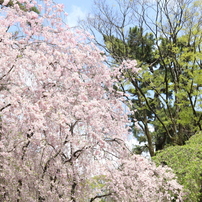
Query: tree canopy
[{"x": 166, "y": 93}]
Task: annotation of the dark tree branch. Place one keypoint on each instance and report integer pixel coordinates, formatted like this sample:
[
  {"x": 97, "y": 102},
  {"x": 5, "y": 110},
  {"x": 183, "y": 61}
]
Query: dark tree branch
[{"x": 100, "y": 196}]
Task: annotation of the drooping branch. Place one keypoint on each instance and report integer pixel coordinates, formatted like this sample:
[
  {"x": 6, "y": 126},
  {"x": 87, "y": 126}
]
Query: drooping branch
[
  {"x": 100, "y": 196},
  {"x": 8, "y": 105}
]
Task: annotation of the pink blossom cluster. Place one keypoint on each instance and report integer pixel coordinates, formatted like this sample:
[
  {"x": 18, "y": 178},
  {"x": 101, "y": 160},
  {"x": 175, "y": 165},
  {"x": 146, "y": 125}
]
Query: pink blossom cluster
[
  {"x": 126, "y": 66},
  {"x": 62, "y": 127},
  {"x": 130, "y": 64}
]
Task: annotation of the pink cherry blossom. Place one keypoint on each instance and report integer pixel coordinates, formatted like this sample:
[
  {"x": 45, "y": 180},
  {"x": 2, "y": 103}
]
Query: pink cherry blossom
[
  {"x": 5, "y": 2},
  {"x": 63, "y": 128}
]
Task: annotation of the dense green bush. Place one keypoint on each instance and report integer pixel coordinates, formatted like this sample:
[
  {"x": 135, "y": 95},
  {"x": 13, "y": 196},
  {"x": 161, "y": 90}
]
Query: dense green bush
[{"x": 186, "y": 161}]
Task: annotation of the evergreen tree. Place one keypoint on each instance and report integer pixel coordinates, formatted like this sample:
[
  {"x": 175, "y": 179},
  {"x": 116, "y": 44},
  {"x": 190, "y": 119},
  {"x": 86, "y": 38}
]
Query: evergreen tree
[{"x": 166, "y": 93}]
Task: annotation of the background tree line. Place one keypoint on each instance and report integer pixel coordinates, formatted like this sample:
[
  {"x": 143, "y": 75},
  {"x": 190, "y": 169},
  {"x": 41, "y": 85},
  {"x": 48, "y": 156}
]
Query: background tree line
[{"x": 165, "y": 38}]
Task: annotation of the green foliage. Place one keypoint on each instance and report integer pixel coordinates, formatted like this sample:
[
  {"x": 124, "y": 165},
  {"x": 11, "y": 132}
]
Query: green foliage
[
  {"x": 97, "y": 182},
  {"x": 186, "y": 162},
  {"x": 116, "y": 46},
  {"x": 141, "y": 45},
  {"x": 98, "y": 185},
  {"x": 35, "y": 10},
  {"x": 137, "y": 46},
  {"x": 166, "y": 93}
]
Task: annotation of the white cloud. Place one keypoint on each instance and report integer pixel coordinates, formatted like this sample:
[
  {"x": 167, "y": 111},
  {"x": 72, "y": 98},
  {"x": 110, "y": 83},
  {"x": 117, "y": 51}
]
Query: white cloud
[{"x": 75, "y": 14}]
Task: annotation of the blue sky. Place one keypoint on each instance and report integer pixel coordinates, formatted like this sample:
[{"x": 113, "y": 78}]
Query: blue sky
[{"x": 76, "y": 9}]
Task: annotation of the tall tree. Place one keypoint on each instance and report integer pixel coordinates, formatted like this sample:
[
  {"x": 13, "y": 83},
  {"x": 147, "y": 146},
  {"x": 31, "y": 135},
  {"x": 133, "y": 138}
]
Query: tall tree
[
  {"x": 167, "y": 92},
  {"x": 62, "y": 123},
  {"x": 140, "y": 47}
]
